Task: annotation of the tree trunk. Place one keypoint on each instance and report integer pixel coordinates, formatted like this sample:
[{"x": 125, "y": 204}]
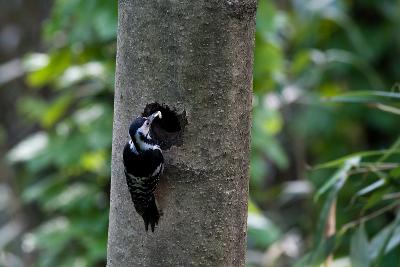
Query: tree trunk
[{"x": 195, "y": 57}]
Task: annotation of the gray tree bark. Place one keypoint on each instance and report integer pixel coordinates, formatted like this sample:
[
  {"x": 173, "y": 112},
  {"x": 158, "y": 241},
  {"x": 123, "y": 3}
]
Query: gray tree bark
[{"x": 195, "y": 57}]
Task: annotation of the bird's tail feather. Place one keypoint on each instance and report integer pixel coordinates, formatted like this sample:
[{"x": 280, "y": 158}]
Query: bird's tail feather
[{"x": 150, "y": 214}]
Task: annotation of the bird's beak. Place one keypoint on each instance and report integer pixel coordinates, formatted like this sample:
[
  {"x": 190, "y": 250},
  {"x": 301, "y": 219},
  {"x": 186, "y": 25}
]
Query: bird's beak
[{"x": 153, "y": 116}]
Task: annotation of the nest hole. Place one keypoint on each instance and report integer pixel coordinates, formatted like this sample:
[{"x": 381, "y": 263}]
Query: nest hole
[{"x": 167, "y": 131}]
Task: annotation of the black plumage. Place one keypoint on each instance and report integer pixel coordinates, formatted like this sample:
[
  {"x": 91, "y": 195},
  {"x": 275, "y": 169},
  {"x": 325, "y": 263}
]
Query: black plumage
[{"x": 144, "y": 163}]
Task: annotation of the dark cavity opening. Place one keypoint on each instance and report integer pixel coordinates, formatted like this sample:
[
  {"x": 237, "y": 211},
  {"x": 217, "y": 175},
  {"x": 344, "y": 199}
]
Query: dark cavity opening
[{"x": 167, "y": 131}]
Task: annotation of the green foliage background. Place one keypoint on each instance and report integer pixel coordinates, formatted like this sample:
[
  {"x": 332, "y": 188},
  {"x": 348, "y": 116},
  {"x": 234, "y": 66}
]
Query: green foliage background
[{"x": 325, "y": 87}]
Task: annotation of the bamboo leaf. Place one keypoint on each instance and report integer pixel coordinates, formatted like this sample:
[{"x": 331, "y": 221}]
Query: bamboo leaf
[
  {"x": 366, "y": 97},
  {"x": 363, "y": 154},
  {"x": 371, "y": 187},
  {"x": 388, "y": 108},
  {"x": 340, "y": 174},
  {"x": 393, "y": 148},
  {"x": 359, "y": 248},
  {"x": 385, "y": 241},
  {"x": 319, "y": 254}
]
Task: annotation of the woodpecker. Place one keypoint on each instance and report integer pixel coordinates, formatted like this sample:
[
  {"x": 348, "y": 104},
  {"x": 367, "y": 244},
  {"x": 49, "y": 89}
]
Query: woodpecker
[{"x": 144, "y": 163}]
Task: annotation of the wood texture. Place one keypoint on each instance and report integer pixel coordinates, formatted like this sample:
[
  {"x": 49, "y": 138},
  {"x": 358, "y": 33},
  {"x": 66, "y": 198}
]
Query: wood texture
[{"x": 195, "y": 57}]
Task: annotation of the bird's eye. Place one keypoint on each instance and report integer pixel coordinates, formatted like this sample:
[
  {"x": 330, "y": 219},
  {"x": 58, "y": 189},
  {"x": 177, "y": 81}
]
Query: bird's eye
[{"x": 147, "y": 123}]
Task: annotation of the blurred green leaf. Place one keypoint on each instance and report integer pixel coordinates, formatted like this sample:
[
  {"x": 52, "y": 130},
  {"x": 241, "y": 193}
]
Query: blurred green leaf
[
  {"x": 261, "y": 231},
  {"x": 58, "y": 62},
  {"x": 56, "y": 110},
  {"x": 69, "y": 197},
  {"x": 359, "y": 248},
  {"x": 267, "y": 65},
  {"x": 265, "y": 15},
  {"x": 375, "y": 198},
  {"x": 387, "y": 239},
  {"x": 82, "y": 21},
  {"x": 323, "y": 245},
  {"x": 340, "y": 175},
  {"x": 387, "y": 108},
  {"x": 366, "y": 97},
  {"x": 258, "y": 169},
  {"x": 395, "y": 172},
  {"x": 39, "y": 189},
  {"x": 29, "y": 148},
  {"x": 319, "y": 253},
  {"x": 32, "y": 107},
  {"x": 268, "y": 123},
  {"x": 362, "y": 154},
  {"x": 78, "y": 73},
  {"x": 371, "y": 187}
]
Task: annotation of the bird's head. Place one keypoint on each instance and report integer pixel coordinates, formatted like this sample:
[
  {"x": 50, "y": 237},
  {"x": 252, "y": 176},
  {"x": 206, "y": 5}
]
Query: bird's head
[{"x": 139, "y": 131}]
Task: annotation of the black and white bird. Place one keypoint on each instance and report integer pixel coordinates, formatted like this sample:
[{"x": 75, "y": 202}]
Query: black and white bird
[{"x": 144, "y": 163}]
